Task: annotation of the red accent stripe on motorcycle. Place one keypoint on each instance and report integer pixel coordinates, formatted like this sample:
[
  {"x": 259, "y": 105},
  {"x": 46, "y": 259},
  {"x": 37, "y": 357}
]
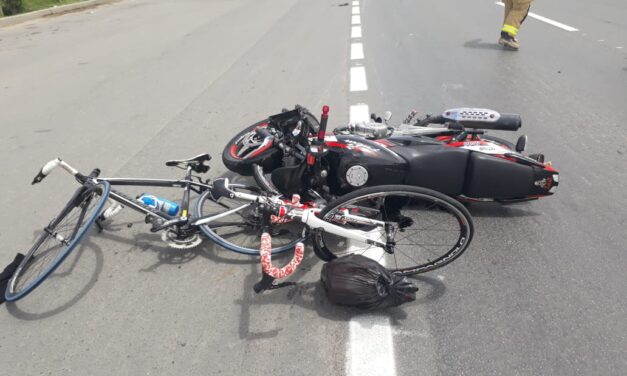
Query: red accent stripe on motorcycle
[
  {"x": 233, "y": 150},
  {"x": 334, "y": 144}
]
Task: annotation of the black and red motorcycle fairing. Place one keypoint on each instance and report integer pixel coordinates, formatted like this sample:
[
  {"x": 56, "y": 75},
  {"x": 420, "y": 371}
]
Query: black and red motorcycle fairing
[
  {"x": 470, "y": 170},
  {"x": 454, "y": 160}
]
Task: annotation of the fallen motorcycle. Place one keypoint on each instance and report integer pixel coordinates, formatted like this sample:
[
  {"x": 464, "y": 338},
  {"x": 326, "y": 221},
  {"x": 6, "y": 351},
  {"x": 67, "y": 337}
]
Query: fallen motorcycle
[{"x": 449, "y": 153}]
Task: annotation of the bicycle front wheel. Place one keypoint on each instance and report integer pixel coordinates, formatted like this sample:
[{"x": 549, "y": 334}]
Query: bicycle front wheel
[
  {"x": 427, "y": 229},
  {"x": 58, "y": 239}
]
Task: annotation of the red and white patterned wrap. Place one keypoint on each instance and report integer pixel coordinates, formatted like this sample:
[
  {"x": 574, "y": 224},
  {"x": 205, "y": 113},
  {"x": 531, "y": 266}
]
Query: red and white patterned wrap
[
  {"x": 294, "y": 203},
  {"x": 266, "y": 258}
]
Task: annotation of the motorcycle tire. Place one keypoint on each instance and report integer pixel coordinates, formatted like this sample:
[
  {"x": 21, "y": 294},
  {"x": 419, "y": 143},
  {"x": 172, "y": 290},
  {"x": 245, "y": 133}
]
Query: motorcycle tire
[{"x": 243, "y": 166}]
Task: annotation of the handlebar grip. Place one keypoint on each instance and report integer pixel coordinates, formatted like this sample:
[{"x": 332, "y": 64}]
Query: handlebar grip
[
  {"x": 323, "y": 123},
  {"x": 508, "y": 122}
]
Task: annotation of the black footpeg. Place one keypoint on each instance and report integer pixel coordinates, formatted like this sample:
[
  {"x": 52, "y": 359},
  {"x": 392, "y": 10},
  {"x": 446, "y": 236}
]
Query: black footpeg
[{"x": 538, "y": 157}]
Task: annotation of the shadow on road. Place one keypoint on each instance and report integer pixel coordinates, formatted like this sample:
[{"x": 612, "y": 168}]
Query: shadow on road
[
  {"x": 312, "y": 296},
  {"x": 51, "y": 294},
  {"x": 478, "y": 44},
  {"x": 496, "y": 210}
]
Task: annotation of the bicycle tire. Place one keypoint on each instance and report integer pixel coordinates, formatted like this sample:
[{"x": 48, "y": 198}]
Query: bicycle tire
[
  {"x": 89, "y": 200},
  {"x": 222, "y": 240},
  {"x": 435, "y": 204}
]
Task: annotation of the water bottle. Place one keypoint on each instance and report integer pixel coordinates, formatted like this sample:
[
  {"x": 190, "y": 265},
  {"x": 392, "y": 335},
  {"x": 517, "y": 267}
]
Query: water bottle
[{"x": 161, "y": 204}]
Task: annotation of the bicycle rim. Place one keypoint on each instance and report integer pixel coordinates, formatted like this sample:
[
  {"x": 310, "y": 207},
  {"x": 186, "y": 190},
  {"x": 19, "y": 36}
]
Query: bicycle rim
[
  {"x": 57, "y": 240},
  {"x": 431, "y": 229}
]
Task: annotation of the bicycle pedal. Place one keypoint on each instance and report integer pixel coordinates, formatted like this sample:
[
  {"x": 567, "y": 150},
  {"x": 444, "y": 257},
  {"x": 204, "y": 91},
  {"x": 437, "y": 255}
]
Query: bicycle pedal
[
  {"x": 98, "y": 222},
  {"x": 153, "y": 222}
]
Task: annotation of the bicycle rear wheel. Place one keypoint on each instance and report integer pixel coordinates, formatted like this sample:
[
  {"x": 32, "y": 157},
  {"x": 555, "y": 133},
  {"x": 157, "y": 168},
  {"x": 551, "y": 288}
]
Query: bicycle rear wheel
[
  {"x": 429, "y": 229},
  {"x": 58, "y": 239}
]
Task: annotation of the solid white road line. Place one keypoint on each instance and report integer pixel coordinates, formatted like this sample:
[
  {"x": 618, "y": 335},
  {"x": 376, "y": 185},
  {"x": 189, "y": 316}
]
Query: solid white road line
[
  {"x": 358, "y": 79},
  {"x": 356, "y": 32},
  {"x": 355, "y": 3},
  {"x": 370, "y": 345},
  {"x": 357, "y": 51},
  {"x": 355, "y": 10},
  {"x": 547, "y": 20},
  {"x": 356, "y": 20}
]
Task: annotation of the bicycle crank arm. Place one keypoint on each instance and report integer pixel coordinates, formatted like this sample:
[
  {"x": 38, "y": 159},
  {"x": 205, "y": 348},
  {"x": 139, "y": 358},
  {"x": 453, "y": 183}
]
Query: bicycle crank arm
[{"x": 170, "y": 223}]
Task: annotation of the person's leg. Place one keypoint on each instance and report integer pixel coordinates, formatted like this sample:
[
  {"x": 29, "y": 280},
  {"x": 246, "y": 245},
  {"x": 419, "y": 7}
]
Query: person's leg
[
  {"x": 508, "y": 7},
  {"x": 516, "y": 16}
]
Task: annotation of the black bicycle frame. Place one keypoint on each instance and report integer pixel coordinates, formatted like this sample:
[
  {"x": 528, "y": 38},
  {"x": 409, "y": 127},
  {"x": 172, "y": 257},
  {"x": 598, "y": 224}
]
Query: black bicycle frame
[{"x": 188, "y": 184}]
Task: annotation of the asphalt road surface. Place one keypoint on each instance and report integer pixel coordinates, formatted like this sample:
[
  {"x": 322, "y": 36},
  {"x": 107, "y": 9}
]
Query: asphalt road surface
[{"x": 124, "y": 87}]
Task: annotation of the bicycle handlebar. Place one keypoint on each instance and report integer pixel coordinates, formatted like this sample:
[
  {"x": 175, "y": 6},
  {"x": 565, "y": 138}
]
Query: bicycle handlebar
[{"x": 50, "y": 166}]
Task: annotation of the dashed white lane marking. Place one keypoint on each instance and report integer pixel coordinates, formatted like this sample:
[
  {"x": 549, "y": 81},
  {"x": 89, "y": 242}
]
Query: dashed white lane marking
[
  {"x": 358, "y": 79},
  {"x": 547, "y": 20},
  {"x": 356, "y": 32},
  {"x": 359, "y": 112},
  {"x": 371, "y": 344},
  {"x": 355, "y": 3},
  {"x": 357, "y": 51},
  {"x": 356, "y": 20},
  {"x": 356, "y": 10}
]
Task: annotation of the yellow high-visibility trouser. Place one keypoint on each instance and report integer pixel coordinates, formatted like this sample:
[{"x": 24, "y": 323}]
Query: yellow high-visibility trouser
[{"x": 515, "y": 13}]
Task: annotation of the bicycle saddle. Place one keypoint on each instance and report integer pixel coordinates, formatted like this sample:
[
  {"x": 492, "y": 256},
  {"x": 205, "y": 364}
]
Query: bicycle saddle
[{"x": 197, "y": 163}]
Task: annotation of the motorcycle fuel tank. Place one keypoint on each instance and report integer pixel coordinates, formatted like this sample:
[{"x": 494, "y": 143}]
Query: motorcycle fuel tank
[{"x": 355, "y": 162}]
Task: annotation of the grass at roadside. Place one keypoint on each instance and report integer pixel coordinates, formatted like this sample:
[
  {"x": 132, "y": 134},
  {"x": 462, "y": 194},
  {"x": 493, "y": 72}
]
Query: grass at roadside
[{"x": 31, "y": 5}]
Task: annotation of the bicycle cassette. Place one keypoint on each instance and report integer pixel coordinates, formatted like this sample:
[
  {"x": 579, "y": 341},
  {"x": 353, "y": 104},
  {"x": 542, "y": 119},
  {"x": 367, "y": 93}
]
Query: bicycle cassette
[{"x": 172, "y": 239}]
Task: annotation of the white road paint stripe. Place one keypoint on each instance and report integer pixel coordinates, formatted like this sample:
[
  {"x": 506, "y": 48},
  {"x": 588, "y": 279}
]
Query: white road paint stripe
[
  {"x": 355, "y": 3},
  {"x": 547, "y": 20},
  {"x": 359, "y": 112},
  {"x": 356, "y": 32},
  {"x": 357, "y": 51},
  {"x": 356, "y": 20},
  {"x": 356, "y": 10},
  {"x": 370, "y": 345},
  {"x": 358, "y": 79},
  {"x": 371, "y": 348}
]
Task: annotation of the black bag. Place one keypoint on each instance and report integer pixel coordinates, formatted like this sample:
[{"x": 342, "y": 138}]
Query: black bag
[
  {"x": 358, "y": 281},
  {"x": 7, "y": 273}
]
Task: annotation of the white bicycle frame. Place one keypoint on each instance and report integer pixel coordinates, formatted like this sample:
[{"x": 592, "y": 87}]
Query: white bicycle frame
[{"x": 308, "y": 217}]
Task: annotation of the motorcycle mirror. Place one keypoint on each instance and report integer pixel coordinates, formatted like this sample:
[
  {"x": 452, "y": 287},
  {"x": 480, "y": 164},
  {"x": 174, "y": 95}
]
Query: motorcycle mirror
[
  {"x": 387, "y": 115},
  {"x": 521, "y": 144}
]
